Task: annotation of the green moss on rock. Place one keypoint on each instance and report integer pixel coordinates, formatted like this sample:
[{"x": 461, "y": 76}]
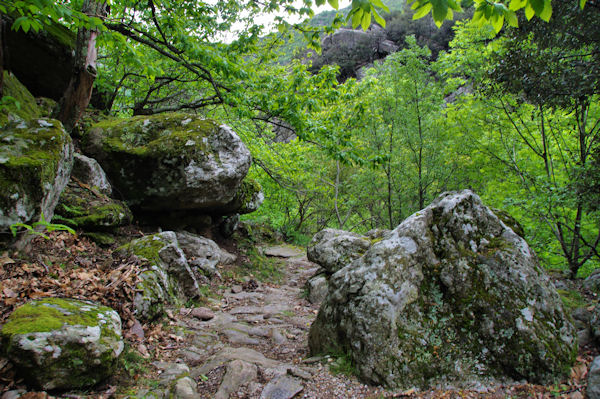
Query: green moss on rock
[
  {"x": 63, "y": 343},
  {"x": 26, "y": 108},
  {"x": 35, "y": 163}
]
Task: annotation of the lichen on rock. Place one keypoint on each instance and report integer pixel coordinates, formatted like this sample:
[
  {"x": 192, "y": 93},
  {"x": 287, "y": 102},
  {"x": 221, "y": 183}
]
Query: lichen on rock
[
  {"x": 170, "y": 162},
  {"x": 63, "y": 343},
  {"x": 451, "y": 296},
  {"x": 35, "y": 164}
]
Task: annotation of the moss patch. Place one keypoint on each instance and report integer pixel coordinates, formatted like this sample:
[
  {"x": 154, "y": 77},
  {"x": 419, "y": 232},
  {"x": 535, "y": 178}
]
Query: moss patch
[{"x": 23, "y": 107}]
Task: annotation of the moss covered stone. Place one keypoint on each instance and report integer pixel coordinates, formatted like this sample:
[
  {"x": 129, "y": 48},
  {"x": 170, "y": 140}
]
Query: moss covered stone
[
  {"x": 451, "y": 296},
  {"x": 171, "y": 161},
  {"x": 168, "y": 278},
  {"x": 35, "y": 164},
  {"x": 81, "y": 206},
  {"x": 63, "y": 343},
  {"x": 21, "y": 106},
  {"x": 247, "y": 199}
]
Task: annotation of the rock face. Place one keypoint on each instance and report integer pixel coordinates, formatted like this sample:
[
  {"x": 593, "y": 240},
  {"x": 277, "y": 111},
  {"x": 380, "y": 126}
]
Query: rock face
[
  {"x": 333, "y": 249},
  {"x": 173, "y": 162},
  {"x": 89, "y": 171},
  {"x": 451, "y": 295},
  {"x": 170, "y": 278},
  {"x": 35, "y": 164},
  {"x": 63, "y": 343}
]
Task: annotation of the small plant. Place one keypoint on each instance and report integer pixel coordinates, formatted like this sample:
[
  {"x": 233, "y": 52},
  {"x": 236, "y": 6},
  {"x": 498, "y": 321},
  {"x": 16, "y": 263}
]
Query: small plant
[
  {"x": 343, "y": 364},
  {"x": 42, "y": 223},
  {"x": 132, "y": 362}
]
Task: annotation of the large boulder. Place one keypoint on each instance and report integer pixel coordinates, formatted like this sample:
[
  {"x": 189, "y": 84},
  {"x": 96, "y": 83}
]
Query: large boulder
[
  {"x": 175, "y": 263},
  {"x": 451, "y": 295},
  {"x": 63, "y": 343},
  {"x": 36, "y": 157},
  {"x": 170, "y": 162}
]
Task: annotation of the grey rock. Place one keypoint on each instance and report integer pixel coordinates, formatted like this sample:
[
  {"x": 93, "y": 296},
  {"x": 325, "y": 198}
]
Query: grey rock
[
  {"x": 277, "y": 337},
  {"x": 317, "y": 287},
  {"x": 238, "y": 373},
  {"x": 282, "y": 387},
  {"x": 205, "y": 254},
  {"x": 88, "y": 171},
  {"x": 203, "y": 314},
  {"x": 229, "y": 225},
  {"x": 228, "y": 354},
  {"x": 77, "y": 346},
  {"x": 333, "y": 249},
  {"x": 168, "y": 277},
  {"x": 593, "y": 387},
  {"x": 592, "y": 282},
  {"x": 185, "y": 388},
  {"x": 451, "y": 295},
  {"x": 239, "y": 337},
  {"x": 170, "y": 161},
  {"x": 283, "y": 251},
  {"x": 36, "y": 158},
  {"x": 236, "y": 289},
  {"x": 192, "y": 355},
  {"x": 171, "y": 371}
]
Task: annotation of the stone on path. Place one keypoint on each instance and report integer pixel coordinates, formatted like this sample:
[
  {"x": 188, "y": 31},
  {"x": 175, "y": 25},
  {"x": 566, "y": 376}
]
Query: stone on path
[
  {"x": 283, "y": 251},
  {"x": 228, "y": 354},
  {"x": 282, "y": 387},
  {"x": 238, "y": 373},
  {"x": 593, "y": 387}
]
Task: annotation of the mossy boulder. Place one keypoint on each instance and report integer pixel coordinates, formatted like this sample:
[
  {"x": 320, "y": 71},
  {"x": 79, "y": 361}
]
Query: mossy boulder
[
  {"x": 35, "y": 164},
  {"x": 21, "y": 106},
  {"x": 175, "y": 262},
  {"x": 451, "y": 296},
  {"x": 168, "y": 278},
  {"x": 82, "y": 206},
  {"x": 88, "y": 171},
  {"x": 170, "y": 162},
  {"x": 63, "y": 343}
]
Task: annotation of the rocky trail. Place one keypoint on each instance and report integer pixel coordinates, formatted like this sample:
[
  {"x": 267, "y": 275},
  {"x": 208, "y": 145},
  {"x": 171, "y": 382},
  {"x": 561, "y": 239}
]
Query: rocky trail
[{"x": 252, "y": 343}]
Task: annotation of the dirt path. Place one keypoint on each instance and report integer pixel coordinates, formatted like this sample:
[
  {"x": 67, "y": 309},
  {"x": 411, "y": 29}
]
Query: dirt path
[{"x": 254, "y": 344}]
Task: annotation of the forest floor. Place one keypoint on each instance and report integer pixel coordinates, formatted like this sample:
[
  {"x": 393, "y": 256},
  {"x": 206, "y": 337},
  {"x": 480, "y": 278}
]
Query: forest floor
[{"x": 255, "y": 341}]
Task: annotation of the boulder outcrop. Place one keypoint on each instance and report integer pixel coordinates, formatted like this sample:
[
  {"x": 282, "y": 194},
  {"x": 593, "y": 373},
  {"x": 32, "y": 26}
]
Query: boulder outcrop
[
  {"x": 63, "y": 343},
  {"x": 452, "y": 295},
  {"x": 175, "y": 164},
  {"x": 176, "y": 262},
  {"x": 36, "y": 157}
]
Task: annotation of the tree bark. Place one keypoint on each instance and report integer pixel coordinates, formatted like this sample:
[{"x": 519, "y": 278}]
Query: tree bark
[{"x": 78, "y": 93}]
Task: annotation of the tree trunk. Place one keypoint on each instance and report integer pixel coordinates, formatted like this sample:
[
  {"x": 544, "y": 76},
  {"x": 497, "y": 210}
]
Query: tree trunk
[
  {"x": 78, "y": 93},
  {"x": 2, "y": 38}
]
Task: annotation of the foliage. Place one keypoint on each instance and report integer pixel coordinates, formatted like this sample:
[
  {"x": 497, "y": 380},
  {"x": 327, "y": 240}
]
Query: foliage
[{"x": 39, "y": 227}]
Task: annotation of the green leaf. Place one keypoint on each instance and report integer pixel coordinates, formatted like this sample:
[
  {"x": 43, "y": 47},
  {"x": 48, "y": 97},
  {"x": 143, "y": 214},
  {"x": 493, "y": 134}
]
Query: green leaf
[
  {"x": 547, "y": 11},
  {"x": 421, "y": 12},
  {"x": 320, "y": 2},
  {"x": 511, "y": 19},
  {"x": 454, "y": 5},
  {"x": 517, "y": 4},
  {"x": 582, "y": 3},
  {"x": 378, "y": 18},
  {"x": 379, "y": 4},
  {"x": 334, "y": 3},
  {"x": 497, "y": 23},
  {"x": 356, "y": 18},
  {"x": 366, "y": 21},
  {"x": 537, "y": 5},
  {"x": 529, "y": 12}
]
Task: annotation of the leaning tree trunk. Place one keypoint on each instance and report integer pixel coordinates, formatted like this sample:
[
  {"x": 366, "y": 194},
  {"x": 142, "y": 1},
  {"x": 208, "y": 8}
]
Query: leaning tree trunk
[{"x": 77, "y": 96}]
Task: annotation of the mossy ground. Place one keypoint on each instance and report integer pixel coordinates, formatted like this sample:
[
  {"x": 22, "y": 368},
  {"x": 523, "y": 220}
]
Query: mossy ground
[{"x": 22, "y": 103}]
